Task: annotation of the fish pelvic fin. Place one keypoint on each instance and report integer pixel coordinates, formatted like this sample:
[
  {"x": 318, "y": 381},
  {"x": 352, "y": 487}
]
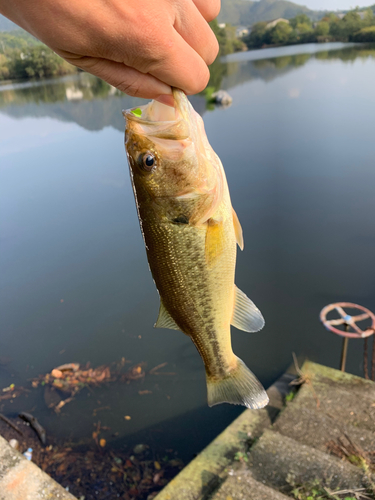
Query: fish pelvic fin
[
  {"x": 246, "y": 315},
  {"x": 165, "y": 320},
  {"x": 239, "y": 387}
]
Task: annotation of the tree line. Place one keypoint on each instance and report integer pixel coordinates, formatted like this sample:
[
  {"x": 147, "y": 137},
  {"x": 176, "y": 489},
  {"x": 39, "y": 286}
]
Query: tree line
[
  {"x": 354, "y": 26},
  {"x": 22, "y": 57}
]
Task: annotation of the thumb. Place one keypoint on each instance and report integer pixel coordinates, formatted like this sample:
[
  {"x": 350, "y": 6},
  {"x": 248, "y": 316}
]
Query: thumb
[{"x": 129, "y": 80}]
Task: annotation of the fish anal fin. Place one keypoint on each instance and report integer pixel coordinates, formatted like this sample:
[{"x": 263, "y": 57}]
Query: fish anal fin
[
  {"x": 237, "y": 230},
  {"x": 246, "y": 315},
  {"x": 165, "y": 320},
  {"x": 214, "y": 241},
  {"x": 239, "y": 387}
]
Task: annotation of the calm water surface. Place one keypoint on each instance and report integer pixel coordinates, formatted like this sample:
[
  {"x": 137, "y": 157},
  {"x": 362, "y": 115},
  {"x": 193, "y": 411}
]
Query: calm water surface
[{"x": 299, "y": 152}]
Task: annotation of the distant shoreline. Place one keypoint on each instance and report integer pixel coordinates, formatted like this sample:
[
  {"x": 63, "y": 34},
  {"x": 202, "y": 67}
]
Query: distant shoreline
[{"x": 254, "y": 54}]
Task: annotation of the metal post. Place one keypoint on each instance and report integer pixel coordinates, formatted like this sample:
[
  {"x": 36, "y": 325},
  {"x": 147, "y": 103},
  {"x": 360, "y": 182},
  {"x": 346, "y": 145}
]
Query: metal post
[
  {"x": 344, "y": 353},
  {"x": 365, "y": 360}
]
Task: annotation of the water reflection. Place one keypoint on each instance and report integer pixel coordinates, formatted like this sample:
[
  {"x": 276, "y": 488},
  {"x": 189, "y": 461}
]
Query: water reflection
[
  {"x": 269, "y": 69},
  {"x": 94, "y": 104},
  {"x": 74, "y": 276}
]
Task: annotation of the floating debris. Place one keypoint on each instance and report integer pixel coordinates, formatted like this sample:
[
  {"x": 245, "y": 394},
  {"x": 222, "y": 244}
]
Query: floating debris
[
  {"x": 40, "y": 431},
  {"x": 11, "y": 392},
  {"x": 28, "y": 454},
  {"x": 65, "y": 381},
  {"x": 140, "y": 448},
  {"x": 135, "y": 373},
  {"x": 70, "y": 379},
  {"x": 222, "y": 98},
  {"x": 14, "y": 443},
  {"x": 11, "y": 424},
  {"x": 97, "y": 472}
]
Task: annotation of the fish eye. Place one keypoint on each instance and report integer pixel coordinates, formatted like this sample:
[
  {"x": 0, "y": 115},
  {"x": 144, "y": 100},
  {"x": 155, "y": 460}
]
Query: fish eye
[{"x": 148, "y": 162}]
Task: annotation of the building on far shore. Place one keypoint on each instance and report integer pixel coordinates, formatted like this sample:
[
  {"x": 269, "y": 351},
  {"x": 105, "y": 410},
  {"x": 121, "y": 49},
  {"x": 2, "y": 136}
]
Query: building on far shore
[
  {"x": 273, "y": 22},
  {"x": 242, "y": 31}
]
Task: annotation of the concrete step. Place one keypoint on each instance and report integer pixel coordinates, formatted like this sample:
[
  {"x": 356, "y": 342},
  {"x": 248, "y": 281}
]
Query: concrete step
[
  {"x": 339, "y": 380},
  {"x": 20, "y": 479},
  {"x": 274, "y": 459},
  {"x": 316, "y": 427},
  {"x": 240, "y": 485},
  {"x": 352, "y": 403},
  {"x": 330, "y": 404},
  {"x": 202, "y": 476}
]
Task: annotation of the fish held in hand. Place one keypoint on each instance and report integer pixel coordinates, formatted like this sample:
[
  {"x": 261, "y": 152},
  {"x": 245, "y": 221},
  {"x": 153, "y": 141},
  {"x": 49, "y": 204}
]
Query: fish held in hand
[{"x": 190, "y": 231}]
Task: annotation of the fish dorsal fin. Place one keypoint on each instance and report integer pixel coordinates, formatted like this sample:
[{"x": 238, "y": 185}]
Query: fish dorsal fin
[
  {"x": 237, "y": 230},
  {"x": 165, "y": 320},
  {"x": 214, "y": 241},
  {"x": 246, "y": 315}
]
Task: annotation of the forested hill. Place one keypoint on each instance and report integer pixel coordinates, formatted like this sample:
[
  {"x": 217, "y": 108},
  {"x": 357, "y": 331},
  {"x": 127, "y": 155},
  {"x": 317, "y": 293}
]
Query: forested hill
[
  {"x": 238, "y": 12},
  {"x": 249, "y": 12}
]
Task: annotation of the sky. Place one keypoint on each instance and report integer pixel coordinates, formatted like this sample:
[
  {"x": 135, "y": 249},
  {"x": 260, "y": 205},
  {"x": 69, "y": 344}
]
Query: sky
[{"x": 334, "y": 4}]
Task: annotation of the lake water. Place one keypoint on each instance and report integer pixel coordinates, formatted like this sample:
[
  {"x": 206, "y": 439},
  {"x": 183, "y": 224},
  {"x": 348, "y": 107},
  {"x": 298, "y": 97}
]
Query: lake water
[{"x": 299, "y": 153}]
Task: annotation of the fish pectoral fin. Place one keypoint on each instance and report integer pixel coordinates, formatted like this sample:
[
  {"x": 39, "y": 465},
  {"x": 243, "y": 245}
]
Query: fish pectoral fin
[
  {"x": 214, "y": 241},
  {"x": 246, "y": 315},
  {"x": 237, "y": 230},
  {"x": 165, "y": 320}
]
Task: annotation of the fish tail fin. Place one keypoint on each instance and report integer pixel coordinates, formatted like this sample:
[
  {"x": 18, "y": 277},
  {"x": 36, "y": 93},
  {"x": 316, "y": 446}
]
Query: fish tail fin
[{"x": 239, "y": 387}]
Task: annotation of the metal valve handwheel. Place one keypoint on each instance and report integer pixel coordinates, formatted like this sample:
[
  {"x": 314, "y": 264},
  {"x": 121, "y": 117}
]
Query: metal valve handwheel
[
  {"x": 350, "y": 329},
  {"x": 347, "y": 320}
]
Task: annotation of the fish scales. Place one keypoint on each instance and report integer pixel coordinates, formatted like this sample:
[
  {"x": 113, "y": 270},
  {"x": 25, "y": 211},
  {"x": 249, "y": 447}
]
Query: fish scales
[
  {"x": 176, "y": 254},
  {"x": 190, "y": 232}
]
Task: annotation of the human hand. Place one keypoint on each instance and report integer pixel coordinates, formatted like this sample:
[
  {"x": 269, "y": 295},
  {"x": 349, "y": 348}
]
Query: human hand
[{"x": 142, "y": 47}]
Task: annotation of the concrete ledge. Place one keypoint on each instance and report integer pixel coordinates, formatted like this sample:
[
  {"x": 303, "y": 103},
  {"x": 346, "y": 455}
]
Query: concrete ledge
[
  {"x": 340, "y": 401},
  {"x": 324, "y": 375},
  {"x": 241, "y": 485},
  {"x": 21, "y": 479},
  {"x": 275, "y": 457},
  {"x": 201, "y": 475}
]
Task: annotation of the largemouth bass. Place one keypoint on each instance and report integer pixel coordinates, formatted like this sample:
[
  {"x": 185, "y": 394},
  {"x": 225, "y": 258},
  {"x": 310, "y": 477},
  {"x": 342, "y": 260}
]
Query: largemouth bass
[{"x": 190, "y": 231}]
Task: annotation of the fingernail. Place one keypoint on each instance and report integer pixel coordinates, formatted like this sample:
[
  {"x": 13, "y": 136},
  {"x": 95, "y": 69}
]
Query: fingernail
[{"x": 166, "y": 99}]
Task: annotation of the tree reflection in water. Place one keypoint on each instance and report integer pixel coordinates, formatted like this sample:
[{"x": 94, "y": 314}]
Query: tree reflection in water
[{"x": 94, "y": 104}]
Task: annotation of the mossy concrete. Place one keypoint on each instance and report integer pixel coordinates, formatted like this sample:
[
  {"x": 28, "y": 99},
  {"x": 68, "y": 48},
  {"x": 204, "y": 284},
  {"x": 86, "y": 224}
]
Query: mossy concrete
[
  {"x": 317, "y": 427},
  {"x": 204, "y": 475},
  {"x": 292, "y": 450},
  {"x": 276, "y": 458},
  {"x": 21, "y": 479},
  {"x": 241, "y": 485},
  {"x": 353, "y": 403},
  {"x": 201, "y": 477}
]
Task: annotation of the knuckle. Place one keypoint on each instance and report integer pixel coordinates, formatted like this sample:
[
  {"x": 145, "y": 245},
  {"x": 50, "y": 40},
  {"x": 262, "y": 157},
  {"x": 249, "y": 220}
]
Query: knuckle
[
  {"x": 149, "y": 54},
  {"x": 86, "y": 63},
  {"x": 132, "y": 88}
]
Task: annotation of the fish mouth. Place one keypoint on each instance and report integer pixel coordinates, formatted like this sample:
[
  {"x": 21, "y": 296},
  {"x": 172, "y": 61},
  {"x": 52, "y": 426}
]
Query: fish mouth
[{"x": 159, "y": 120}]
